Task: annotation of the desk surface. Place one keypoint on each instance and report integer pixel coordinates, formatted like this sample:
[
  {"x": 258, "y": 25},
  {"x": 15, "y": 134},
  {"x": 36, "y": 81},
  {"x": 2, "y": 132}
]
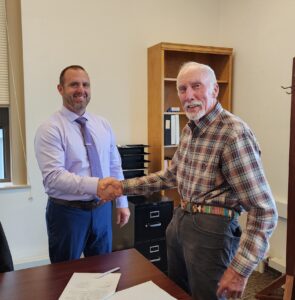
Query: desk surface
[{"x": 48, "y": 282}]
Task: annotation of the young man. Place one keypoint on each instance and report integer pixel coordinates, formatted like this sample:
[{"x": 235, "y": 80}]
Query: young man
[{"x": 75, "y": 149}]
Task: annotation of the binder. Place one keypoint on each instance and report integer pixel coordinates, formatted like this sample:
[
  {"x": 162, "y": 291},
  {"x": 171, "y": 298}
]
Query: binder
[
  {"x": 177, "y": 133},
  {"x": 173, "y": 129},
  {"x": 167, "y": 130}
]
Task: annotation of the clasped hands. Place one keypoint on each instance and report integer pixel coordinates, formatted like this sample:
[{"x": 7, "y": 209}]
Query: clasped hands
[{"x": 109, "y": 189}]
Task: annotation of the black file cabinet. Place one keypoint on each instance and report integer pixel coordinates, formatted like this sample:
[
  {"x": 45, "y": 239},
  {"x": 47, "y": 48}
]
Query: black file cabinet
[{"x": 146, "y": 228}]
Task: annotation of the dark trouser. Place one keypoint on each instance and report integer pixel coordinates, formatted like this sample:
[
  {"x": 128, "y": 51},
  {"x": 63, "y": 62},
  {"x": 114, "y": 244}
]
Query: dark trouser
[
  {"x": 6, "y": 263},
  {"x": 73, "y": 231},
  {"x": 199, "y": 249}
]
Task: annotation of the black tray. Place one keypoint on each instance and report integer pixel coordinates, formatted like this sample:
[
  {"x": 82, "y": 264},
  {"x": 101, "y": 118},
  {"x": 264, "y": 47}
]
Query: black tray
[
  {"x": 133, "y": 164},
  {"x": 133, "y": 173},
  {"x": 132, "y": 149}
]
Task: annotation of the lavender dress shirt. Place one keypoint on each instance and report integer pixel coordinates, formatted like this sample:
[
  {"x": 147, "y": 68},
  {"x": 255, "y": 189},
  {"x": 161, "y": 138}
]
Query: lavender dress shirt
[{"x": 63, "y": 161}]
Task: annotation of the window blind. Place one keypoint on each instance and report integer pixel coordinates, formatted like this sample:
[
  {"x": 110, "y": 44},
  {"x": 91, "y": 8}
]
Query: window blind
[{"x": 4, "y": 87}]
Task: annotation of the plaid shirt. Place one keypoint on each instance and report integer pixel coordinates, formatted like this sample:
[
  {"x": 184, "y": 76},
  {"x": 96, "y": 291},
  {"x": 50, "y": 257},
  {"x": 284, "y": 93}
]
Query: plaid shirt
[{"x": 218, "y": 163}]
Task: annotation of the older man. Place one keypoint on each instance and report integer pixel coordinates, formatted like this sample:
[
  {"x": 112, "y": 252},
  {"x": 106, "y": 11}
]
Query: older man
[{"x": 218, "y": 172}]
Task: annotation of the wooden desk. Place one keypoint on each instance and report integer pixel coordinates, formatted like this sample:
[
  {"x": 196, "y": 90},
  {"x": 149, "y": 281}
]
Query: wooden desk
[{"x": 48, "y": 282}]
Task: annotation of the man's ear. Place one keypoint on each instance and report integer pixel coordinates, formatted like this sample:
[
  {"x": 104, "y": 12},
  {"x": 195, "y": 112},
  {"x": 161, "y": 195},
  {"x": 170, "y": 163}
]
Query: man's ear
[
  {"x": 59, "y": 88},
  {"x": 215, "y": 90}
]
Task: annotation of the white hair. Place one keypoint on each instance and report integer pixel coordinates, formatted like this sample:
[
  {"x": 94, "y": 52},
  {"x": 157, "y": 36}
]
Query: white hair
[{"x": 205, "y": 69}]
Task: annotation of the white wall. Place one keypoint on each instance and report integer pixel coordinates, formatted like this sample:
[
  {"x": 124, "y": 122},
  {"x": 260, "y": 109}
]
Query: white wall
[
  {"x": 110, "y": 39},
  {"x": 261, "y": 32}
]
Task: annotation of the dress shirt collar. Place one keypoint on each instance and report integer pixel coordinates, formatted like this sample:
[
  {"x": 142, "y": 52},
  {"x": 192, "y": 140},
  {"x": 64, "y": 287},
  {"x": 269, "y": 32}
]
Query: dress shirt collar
[
  {"x": 71, "y": 116},
  {"x": 203, "y": 123}
]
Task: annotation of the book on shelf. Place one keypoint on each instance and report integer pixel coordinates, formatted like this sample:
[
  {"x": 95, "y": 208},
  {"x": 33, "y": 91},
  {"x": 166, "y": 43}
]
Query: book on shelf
[
  {"x": 173, "y": 129},
  {"x": 177, "y": 129},
  {"x": 173, "y": 109},
  {"x": 167, "y": 130}
]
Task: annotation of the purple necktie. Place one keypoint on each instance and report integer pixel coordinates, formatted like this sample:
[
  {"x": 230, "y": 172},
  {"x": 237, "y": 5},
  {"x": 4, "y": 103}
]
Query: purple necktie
[{"x": 91, "y": 149}]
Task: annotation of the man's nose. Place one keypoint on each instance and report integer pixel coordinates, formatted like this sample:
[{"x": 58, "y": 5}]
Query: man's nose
[
  {"x": 80, "y": 88},
  {"x": 189, "y": 95}
]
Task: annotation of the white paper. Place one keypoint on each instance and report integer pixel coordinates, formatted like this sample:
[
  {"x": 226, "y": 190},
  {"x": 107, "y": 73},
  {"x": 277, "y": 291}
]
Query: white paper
[
  {"x": 87, "y": 286},
  {"x": 144, "y": 291}
]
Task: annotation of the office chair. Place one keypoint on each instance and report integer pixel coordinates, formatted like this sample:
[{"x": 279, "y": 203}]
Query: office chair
[{"x": 6, "y": 263}]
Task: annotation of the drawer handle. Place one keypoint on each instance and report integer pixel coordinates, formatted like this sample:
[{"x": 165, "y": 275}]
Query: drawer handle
[
  {"x": 155, "y": 259},
  {"x": 153, "y": 225},
  {"x": 154, "y": 249},
  {"x": 154, "y": 214}
]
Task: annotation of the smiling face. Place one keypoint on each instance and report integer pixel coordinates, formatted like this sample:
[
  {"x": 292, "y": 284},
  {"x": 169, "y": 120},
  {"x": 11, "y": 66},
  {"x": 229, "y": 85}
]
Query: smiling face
[
  {"x": 75, "y": 90},
  {"x": 197, "y": 90}
]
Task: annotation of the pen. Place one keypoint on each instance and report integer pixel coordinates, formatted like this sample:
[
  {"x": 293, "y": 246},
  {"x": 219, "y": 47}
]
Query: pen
[{"x": 108, "y": 272}]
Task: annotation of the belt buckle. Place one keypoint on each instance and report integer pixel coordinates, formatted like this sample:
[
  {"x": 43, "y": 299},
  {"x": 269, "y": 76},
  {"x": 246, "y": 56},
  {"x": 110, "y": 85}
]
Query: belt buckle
[
  {"x": 193, "y": 208},
  {"x": 89, "y": 205},
  {"x": 196, "y": 207}
]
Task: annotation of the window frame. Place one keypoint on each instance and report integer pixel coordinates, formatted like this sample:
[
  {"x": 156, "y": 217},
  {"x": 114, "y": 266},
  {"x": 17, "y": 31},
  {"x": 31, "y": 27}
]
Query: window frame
[{"x": 4, "y": 125}]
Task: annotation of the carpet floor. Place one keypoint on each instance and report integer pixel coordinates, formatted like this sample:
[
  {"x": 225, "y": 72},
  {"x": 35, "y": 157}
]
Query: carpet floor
[{"x": 258, "y": 281}]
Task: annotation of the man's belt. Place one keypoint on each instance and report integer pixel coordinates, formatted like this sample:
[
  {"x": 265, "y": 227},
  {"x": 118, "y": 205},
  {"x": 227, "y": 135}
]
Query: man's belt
[
  {"x": 195, "y": 208},
  {"x": 86, "y": 205}
]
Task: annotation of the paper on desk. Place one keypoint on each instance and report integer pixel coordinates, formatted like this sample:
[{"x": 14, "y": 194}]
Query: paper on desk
[
  {"x": 144, "y": 291},
  {"x": 87, "y": 286}
]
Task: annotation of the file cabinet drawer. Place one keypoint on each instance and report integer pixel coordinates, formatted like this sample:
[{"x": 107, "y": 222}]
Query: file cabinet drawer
[
  {"x": 155, "y": 252},
  {"x": 146, "y": 229},
  {"x": 151, "y": 221}
]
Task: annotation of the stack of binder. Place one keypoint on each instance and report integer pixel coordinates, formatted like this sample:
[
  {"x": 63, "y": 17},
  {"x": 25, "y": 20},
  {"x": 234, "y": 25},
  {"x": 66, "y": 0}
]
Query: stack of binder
[
  {"x": 171, "y": 129},
  {"x": 133, "y": 159}
]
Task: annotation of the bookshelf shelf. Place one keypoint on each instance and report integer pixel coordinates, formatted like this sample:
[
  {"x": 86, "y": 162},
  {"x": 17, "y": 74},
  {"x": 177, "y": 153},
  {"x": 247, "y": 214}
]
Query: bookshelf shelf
[
  {"x": 174, "y": 113},
  {"x": 174, "y": 80},
  {"x": 170, "y": 79},
  {"x": 164, "y": 61}
]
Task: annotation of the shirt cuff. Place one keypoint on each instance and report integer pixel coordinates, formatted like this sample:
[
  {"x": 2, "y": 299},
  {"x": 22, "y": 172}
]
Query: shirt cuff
[
  {"x": 122, "y": 202},
  {"x": 127, "y": 186},
  {"x": 90, "y": 185},
  {"x": 243, "y": 266}
]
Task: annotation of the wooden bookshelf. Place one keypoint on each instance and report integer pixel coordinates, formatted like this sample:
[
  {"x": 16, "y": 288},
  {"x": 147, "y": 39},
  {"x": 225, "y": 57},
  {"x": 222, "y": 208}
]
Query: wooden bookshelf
[{"x": 164, "y": 61}]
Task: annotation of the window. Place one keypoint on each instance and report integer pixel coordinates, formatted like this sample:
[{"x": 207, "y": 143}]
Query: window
[{"x": 12, "y": 125}]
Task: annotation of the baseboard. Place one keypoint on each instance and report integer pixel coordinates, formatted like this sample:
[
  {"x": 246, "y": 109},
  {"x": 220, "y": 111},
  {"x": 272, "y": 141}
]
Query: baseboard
[
  {"x": 261, "y": 267},
  {"x": 33, "y": 262},
  {"x": 282, "y": 209},
  {"x": 277, "y": 264}
]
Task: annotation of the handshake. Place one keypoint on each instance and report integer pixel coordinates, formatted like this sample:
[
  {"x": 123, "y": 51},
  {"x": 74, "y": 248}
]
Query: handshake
[{"x": 109, "y": 188}]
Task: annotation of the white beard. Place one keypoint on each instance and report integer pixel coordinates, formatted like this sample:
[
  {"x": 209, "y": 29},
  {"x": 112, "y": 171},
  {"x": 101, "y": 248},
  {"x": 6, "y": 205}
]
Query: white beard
[{"x": 192, "y": 115}]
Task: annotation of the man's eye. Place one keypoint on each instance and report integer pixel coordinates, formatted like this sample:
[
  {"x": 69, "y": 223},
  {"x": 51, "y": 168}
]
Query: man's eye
[
  {"x": 181, "y": 89},
  {"x": 196, "y": 86}
]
